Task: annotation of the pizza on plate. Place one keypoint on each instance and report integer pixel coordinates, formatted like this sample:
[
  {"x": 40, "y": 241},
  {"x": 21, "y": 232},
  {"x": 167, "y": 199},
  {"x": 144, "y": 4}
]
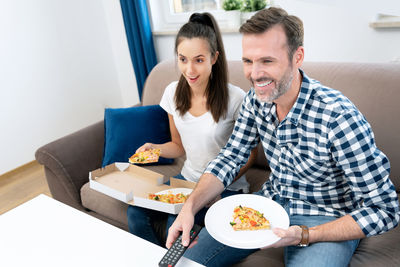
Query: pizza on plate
[
  {"x": 147, "y": 156},
  {"x": 245, "y": 218},
  {"x": 169, "y": 198}
]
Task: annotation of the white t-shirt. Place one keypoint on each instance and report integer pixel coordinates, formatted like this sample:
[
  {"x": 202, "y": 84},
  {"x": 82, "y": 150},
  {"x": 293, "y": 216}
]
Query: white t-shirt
[{"x": 202, "y": 138}]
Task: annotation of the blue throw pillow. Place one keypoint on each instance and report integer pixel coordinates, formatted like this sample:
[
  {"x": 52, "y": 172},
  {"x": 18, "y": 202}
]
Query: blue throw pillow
[{"x": 126, "y": 129}]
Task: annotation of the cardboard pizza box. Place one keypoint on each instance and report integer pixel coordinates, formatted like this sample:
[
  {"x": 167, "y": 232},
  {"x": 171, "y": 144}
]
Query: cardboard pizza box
[{"x": 132, "y": 184}]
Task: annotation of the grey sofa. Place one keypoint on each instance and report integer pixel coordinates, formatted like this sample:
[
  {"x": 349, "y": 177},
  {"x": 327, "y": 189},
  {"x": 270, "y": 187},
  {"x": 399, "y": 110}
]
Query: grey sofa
[{"x": 374, "y": 88}]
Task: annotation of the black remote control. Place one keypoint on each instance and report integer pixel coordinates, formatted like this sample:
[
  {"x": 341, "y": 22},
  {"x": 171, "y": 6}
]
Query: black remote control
[{"x": 176, "y": 251}]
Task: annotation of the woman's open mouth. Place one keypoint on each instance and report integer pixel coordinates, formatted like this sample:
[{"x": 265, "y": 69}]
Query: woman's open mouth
[{"x": 192, "y": 79}]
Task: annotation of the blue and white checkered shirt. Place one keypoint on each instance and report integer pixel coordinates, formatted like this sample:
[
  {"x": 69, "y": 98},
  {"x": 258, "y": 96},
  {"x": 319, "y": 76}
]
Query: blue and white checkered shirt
[{"x": 322, "y": 156}]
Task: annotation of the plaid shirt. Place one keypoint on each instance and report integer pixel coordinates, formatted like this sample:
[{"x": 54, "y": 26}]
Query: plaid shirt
[{"x": 322, "y": 156}]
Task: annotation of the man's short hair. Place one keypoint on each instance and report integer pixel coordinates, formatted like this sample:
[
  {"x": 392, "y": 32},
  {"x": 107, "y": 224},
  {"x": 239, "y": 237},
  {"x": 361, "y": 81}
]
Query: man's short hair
[{"x": 265, "y": 19}]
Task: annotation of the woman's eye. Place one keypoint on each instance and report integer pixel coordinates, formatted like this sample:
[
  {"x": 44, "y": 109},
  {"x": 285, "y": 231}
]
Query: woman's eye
[
  {"x": 182, "y": 59},
  {"x": 200, "y": 60}
]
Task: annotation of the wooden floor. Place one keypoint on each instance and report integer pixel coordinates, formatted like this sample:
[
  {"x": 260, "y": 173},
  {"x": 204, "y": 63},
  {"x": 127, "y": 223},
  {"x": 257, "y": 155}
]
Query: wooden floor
[{"x": 21, "y": 185}]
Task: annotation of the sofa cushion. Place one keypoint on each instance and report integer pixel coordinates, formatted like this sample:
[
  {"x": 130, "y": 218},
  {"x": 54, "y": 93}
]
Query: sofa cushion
[
  {"x": 380, "y": 250},
  {"x": 256, "y": 177},
  {"x": 126, "y": 129},
  {"x": 272, "y": 257}
]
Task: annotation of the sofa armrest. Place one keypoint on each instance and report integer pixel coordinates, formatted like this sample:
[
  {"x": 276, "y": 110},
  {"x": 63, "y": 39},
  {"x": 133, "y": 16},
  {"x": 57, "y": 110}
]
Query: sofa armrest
[{"x": 68, "y": 161}]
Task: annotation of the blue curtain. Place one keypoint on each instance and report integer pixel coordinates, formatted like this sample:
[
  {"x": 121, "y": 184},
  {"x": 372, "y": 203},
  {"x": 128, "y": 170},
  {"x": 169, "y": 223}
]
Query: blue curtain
[{"x": 140, "y": 39}]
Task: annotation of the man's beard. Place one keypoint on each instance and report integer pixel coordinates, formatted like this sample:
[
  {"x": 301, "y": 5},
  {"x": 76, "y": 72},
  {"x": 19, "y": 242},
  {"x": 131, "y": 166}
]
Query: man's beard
[{"x": 282, "y": 86}]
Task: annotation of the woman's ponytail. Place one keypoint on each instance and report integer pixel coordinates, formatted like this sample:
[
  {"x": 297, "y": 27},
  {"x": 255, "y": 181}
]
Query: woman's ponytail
[{"x": 204, "y": 26}]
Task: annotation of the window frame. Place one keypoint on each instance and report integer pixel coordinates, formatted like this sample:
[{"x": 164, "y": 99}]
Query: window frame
[{"x": 164, "y": 20}]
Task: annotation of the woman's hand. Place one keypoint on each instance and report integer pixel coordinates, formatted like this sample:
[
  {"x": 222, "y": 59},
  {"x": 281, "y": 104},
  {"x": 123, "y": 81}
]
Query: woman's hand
[{"x": 144, "y": 147}]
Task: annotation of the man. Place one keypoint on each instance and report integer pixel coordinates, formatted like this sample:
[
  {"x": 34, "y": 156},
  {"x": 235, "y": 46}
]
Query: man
[{"x": 326, "y": 170}]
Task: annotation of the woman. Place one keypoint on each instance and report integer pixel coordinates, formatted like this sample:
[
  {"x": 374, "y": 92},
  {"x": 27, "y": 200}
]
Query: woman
[{"x": 202, "y": 108}]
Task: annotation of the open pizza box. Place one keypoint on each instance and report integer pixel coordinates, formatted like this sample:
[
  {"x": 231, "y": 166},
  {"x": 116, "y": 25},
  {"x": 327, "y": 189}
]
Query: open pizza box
[{"x": 132, "y": 184}]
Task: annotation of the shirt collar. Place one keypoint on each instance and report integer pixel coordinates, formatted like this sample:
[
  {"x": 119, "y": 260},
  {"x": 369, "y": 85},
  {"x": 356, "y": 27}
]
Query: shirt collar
[{"x": 297, "y": 110}]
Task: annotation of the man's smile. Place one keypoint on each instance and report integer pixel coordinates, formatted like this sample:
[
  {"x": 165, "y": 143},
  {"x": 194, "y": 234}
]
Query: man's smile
[{"x": 263, "y": 84}]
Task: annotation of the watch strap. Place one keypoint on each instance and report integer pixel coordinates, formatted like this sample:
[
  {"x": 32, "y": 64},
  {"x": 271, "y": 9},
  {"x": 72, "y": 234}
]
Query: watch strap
[{"x": 304, "y": 236}]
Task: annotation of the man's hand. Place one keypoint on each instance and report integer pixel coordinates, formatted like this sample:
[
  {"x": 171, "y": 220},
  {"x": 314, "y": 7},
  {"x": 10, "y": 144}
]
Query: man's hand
[
  {"x": 207, "y": 189},
  {"x": 344, "y": 228},
  {"x": 289, "y": 237},
  {"x": 183, "y": 223}
]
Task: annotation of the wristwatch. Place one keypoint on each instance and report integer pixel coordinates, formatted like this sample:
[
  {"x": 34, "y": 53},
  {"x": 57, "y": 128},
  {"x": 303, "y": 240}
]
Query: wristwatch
[{"x": 304, "y": 236}]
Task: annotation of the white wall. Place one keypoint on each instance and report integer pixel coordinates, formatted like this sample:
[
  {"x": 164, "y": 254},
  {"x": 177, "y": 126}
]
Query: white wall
[
  {"x": 122, "y": 58},
  {"x": 339, "y": 30},
  {"x": 61, "y": 63},
  {"x": 334, "y": 31}
]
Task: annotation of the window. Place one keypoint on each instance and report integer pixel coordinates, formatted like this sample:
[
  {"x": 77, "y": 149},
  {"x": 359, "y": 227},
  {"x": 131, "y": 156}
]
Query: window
[
  {"x": 169, "y": 15},
  {"x": 181, "y": 6}
]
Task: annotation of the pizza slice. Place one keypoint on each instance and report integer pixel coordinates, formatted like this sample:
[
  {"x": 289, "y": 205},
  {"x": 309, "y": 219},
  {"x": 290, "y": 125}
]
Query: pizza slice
[
  {"x": 169, "y": 198},
  {"x": 147, "y": 156},
  {"x": 245, "y": 218}
]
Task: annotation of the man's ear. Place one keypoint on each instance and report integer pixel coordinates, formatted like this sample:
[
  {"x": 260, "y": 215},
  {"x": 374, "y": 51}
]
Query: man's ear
[
  {"x": 298, "y": 56},
  {"x": 215, "y": 58}
]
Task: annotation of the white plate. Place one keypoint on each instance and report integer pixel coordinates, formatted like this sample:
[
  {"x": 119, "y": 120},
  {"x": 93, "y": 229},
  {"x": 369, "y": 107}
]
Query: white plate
[
  {"x": 182, "y": 190},
  {"x": 219, "y": 216}
]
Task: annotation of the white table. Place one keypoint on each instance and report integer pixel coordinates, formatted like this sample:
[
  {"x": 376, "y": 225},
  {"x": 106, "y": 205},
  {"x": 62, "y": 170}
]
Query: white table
[{"x": 45, "y": 232}]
